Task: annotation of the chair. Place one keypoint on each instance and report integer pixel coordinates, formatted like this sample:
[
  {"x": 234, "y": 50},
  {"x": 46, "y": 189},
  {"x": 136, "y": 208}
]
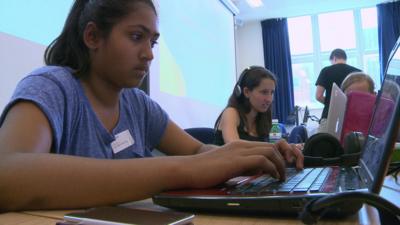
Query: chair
[
  {"x": 293, "y": 117},
  {"x": 203, "y": 134},
  {"x": 299, "y": 134},
  {"x": 283, "y": 130}
]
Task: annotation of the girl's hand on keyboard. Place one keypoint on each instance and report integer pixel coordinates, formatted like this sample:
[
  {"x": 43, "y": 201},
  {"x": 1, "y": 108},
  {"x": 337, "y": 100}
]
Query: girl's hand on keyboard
[
  {"x": 235, "y": 159},
  {"x": 292, "y": 153}
]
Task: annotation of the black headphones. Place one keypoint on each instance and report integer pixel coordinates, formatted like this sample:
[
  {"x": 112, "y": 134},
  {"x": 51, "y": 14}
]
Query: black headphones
[
  {"x": 238, "y": 90},
  {"x": 333, "y": 204},
  {"x": 323, "y": 149}
]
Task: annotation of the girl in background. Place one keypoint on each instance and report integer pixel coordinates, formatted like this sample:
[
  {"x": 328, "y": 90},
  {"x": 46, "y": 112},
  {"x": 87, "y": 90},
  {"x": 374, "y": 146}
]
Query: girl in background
[{"x": 248, "y": 115}]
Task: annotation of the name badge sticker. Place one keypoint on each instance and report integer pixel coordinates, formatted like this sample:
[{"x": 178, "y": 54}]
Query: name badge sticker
[{"x": 122, "y": 141}]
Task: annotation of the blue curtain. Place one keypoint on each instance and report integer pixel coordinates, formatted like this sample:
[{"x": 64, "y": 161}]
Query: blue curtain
[
  {"x": 388, "y": 30},
  {"x": 277, "y": 59}
]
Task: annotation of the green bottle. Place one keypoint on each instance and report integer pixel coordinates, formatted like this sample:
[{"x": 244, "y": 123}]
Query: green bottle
[{"x": 276, "y": 133}]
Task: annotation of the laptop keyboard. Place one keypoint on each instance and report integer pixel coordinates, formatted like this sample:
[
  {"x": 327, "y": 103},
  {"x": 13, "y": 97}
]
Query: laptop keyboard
[
  {"x": 349, "y": 178},
  {"x": 307, "y": 180}
]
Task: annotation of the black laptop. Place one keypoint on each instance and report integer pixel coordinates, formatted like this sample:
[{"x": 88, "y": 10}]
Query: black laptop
[{"x": 263, "y": 194}]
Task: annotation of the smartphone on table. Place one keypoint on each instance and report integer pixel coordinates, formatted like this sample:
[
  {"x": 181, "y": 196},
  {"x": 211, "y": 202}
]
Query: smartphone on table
[{"x": 115, "y": 215}]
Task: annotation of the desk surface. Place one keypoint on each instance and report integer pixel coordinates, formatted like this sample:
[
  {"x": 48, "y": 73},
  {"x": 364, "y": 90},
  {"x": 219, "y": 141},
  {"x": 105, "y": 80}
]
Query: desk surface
[
  {"x": 51, "y": 217},
  {"x": 366, "y": 216},
  {"x": 25, "y": 219}
]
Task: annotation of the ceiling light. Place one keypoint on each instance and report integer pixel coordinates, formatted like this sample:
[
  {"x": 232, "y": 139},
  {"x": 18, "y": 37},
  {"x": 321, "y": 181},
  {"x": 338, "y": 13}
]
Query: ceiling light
[{"x": 254, "y": 3}]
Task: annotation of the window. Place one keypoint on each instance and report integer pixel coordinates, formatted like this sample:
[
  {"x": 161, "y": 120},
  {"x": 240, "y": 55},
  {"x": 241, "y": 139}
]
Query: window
[
  {"x": 337, "y": 30},
  {"x": 312, "y": 38},
  {"x": 302, "y": 42}
]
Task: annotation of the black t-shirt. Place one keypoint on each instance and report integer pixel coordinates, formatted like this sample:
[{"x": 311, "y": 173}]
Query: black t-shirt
[
  {"x": 329, "y": 75},
  {"x": 243, "y": 135}
]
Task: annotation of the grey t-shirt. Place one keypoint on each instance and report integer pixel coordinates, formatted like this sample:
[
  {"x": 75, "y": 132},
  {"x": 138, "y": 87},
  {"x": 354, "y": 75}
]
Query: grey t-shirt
[{"x": 76, "y": 128}]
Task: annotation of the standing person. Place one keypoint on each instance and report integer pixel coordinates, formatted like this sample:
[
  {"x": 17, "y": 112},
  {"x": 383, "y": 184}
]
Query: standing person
[
  {"x": 67, "y": 120},
  {"x": 248, "y": 114},
  {"x": 334, "y": 73}
]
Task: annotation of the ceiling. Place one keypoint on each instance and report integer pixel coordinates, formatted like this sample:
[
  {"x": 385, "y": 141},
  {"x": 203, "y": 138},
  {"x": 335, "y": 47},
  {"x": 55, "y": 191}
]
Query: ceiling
[{"x": 292, "y": 8}]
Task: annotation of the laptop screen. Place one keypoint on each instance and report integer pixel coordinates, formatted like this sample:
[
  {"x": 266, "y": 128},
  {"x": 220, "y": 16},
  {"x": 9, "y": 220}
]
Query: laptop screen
[
  {"x": 337, "y": 108},
  {"x": 384, "y": 126},
  {"x": 306, "y": 115}
]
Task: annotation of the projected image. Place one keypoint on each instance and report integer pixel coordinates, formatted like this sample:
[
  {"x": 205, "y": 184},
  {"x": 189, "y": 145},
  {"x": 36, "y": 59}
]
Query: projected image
[
  {"x": 196, "y": 50},
  {"x": 171, "y": 78},
  {"x": 191, "y": 76},
  {"x": 26, "y": 28},
  {"x": 30, "y": 20}
]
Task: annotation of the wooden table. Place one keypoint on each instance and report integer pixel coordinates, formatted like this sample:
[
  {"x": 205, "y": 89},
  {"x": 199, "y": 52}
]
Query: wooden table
[
  {"x": 366, "y": 216},
  {"x": 51, "y": 217}
]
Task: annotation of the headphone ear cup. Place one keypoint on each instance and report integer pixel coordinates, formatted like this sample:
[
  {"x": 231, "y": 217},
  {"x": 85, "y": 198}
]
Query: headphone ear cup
[
  {"x": 353, "y": 142},
  {"x": 322, "y": 145},
  {"x": 238, "y": 91}
]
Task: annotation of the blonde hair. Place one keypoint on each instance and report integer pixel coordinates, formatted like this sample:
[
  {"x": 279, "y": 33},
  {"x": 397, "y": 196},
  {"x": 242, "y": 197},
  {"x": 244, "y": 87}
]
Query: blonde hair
[{"x": 358, "y": 77}]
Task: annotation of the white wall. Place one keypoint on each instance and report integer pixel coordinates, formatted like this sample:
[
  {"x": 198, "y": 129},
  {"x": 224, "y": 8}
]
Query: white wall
[
  {"x": 249, "y": 50},
  {"x": 26, "y": 28},
  {"x": 17, "y": 58}
]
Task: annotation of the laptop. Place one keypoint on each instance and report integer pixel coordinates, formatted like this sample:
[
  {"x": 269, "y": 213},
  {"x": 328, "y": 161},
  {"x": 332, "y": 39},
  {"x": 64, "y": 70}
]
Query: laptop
[
  {"x": 306, "y": 116},
  {"x": 337, "y": 108},
  {"x": 357, "y": 116},
  {"x": 262, "y": 194}
]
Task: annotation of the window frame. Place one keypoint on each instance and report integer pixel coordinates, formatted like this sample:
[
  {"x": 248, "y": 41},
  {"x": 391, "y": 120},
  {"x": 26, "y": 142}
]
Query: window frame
[{"x": 317, "y": 56}]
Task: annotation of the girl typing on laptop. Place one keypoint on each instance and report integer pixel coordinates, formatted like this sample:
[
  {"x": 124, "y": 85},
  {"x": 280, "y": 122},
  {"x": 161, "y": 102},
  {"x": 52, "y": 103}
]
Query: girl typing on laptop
[
  {"x": 66, "y": 121},
  {"x": 248, "y": 115}
]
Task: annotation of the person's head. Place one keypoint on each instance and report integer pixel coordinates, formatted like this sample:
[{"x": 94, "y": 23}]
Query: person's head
[
  {"x": 256, "y": 87},
  {"x": 338, "y": 56},
  {"x": 358, "y": 81},
  {"x": 109, "y": 38}
]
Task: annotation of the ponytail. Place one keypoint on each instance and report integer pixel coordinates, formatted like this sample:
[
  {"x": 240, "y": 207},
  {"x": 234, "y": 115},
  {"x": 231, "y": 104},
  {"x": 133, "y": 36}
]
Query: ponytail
[{"x": 69, "y": 49}]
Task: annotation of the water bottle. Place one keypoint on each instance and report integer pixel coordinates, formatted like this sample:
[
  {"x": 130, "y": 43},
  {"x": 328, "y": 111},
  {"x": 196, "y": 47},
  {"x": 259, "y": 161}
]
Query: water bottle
[{"x": 276, "y": 133}]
